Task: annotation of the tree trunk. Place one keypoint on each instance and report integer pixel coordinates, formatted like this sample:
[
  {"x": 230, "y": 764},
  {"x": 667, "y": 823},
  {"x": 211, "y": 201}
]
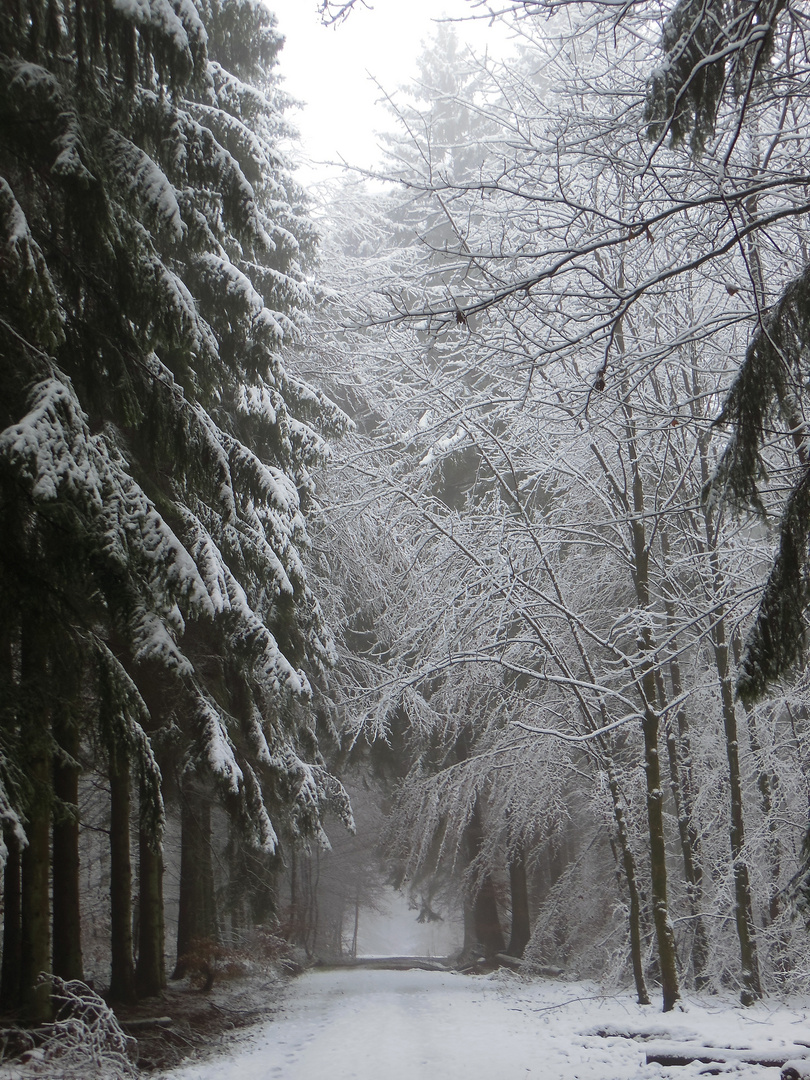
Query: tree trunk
[
  {"x": 35, "y": 922},
  {"x": 35, "y": 949},
  {"x": 67, "y": 943},
  {"x": 629, "y": 866},
  {"x": 150, "y": 972},
  {"x": 197, "y": 914},
  {"x": 692, "y": 869},
  {"x": 521, "y": 926},
  {"x": 12, "y": 908},
  {"x": 487, "y": 926},
  {"x": 122, "y": 974},
  {"x": 679, "y": 752},
  {"x": 12, "y": 927},
  {"x": 751, "y": 989},
  {"x": 648, "y": 691},
  {"x": 356, "y": 924},
  {"x": 658, "y": 863}
]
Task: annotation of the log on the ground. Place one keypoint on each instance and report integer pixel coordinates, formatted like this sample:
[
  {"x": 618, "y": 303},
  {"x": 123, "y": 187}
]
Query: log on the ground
[
  {"x": 389, "y": 963},
  {"x": 685, "y": 1054},
  {"x": 513, "y": 962},
  {"x": 146, "y": 1023}
]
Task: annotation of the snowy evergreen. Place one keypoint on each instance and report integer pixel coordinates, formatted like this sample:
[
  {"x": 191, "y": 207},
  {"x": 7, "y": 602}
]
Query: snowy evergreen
[{"x": 155, "y": 456}]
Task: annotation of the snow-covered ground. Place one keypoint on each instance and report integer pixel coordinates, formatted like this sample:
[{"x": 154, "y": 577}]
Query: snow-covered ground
[{"x": 408, "y": 1025}]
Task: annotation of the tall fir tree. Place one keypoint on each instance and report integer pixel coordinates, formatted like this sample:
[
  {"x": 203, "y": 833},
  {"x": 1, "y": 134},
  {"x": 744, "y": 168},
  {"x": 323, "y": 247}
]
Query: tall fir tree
[{"x": 155, "y": 453}]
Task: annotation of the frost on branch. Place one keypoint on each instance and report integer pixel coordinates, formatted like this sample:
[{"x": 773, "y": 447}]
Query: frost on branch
[{"x": 85, "y": 1038}]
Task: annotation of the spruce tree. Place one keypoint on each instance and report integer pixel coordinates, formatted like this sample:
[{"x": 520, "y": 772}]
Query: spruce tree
[{"x": 155, "y": 453}]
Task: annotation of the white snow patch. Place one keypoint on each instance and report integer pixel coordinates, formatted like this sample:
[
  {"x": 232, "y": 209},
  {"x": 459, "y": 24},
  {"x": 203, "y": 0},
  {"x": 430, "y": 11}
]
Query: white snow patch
[{"x": 419, "y": 1025}]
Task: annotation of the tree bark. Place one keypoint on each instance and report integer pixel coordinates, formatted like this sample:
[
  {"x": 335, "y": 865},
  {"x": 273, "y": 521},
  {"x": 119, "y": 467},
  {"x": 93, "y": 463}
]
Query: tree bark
[
  {"x": 197, "y": 913},
  {"x": 521, "y": 926},
  {"x": 751, "y": 989},
  {"x": 122, "y": 974},
  {"x": 35, "y": 946},
  {"x": 629, "y": 866},
  {"x": 12, "y": 927},
  {"x": 486, "y": 923},
  {"x": 150, "y": 971},
  {"x": 648, "y": 690},
  {"x": 692, "y": 869},
  {"x": 67, "y": 943},
  {"x": 679, "y": 753},
  {"x": 35, "y": 920}
]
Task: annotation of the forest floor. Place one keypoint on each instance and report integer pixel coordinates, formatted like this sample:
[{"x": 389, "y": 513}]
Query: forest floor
[
  {"x": 183, "y": 1024},
  {"x": 365, "y": 1024},
  {"x": 202, "y": 1022}
]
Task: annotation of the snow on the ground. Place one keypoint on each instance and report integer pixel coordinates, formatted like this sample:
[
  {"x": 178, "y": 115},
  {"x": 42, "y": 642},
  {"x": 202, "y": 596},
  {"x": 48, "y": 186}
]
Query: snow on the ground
[{"x": 356, "y": 1024}]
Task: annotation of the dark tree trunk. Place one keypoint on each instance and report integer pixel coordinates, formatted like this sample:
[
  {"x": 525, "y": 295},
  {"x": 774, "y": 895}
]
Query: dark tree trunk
[
  {"x": 488, "y": 933},
  {"x": 12, "y": 927},
  {"x": 122, "y": 974},
  {"x": 628, "y": 863},
  {"x": 35, "y": 950},
  {"x": 665, "y": 937},
  {"x": 67, "y": 944},
  {"x": 679, "y": 752},
  {"x": 487, "y": 923},
  {"x": 648, "y": 692},
  {"x": 12, "y": 908},
  {"x": 197, "y": 913},
  {"x": 35, "y": 920},
  {"x": 521, "y": 927},
  {"x": 692, "y": 869},
  {"x": 751, "y": 989},
  {"x": 150, "y": 972}
]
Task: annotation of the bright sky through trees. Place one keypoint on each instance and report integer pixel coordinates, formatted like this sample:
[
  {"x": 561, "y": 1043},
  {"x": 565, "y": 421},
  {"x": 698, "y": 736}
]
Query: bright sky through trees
[{"x": 333, "y": 69}]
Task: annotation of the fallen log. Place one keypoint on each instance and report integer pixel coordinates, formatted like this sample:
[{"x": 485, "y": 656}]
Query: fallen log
[
  {"x": 684, "y": 1054},
  {"x": 513, "y": 962},
  {"x": 146, "y": 1023}
]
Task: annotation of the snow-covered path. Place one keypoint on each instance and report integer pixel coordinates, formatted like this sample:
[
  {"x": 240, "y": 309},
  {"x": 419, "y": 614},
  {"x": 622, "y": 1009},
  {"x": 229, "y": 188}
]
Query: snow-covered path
[{"x": 414, "y": 1025}]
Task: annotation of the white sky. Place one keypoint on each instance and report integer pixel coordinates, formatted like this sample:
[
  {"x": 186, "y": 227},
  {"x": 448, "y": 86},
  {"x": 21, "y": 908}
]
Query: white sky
[{"x": 332, "y": 68}]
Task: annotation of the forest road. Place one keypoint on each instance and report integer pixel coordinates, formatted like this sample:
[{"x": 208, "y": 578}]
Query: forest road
[{"x": 359, "y": 1024}]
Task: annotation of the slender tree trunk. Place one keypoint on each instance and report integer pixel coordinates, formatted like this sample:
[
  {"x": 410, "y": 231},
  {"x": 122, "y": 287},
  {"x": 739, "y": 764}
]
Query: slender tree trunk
[
  {"x": 197, "y": 915},
  {"x": 12, "y": 927},
  {"x": 646, "y": 679},
  {"x": 630, "y": 876},
  {"x": 679, "y": 753},
  {"x": 67, "y": 942},
  {"x": 751, "y": 989},
  {"x": 122, "y": 975},
  {"x": 356, "y": 924},
  {"x": 692, "y": 870},
  {"x": 658, "y": 862},
  {"x": 765, "y": 785},
  {"x": 150, "y": 971},
  {"x": 518, "y": 886},
  {"x": 295, "y": 918}
]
